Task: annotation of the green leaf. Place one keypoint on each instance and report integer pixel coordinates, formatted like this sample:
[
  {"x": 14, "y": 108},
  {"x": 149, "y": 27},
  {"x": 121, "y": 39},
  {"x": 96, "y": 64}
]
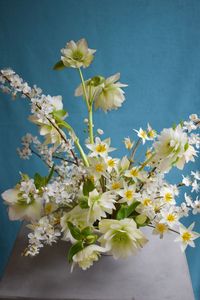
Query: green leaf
[
  {"x": 126, "y": 210},
  {"x": 75, "y": 231},
  {"x": 91, "y": 239},
  {"x": 122, "y": 213},
  {"x": 141, "y": 219},
  {"x": 39, "y": 180},
  {"x": 50, "y": 174},
  {"x": 59, "y": 114},
  {"x": 59, "y": 66},
  {"x": 86, "y": 231},
  {"x": 64, "y": 124},
  {"x": 83, "y": 202},
  {"x": 74, "y": 249},
  {"x": 88, "y": 187},
  {"x": 131, "y": 208},
  {"x": 186, "y": 146}
]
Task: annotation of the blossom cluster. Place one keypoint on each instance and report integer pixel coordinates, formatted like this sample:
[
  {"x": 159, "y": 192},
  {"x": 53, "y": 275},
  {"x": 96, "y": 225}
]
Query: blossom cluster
[{"x": 92, "y": 199}]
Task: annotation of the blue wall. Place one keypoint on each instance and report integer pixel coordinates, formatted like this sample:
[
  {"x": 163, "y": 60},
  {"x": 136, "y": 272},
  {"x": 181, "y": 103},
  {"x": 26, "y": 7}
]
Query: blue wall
[{"x": 154, "y": 44}]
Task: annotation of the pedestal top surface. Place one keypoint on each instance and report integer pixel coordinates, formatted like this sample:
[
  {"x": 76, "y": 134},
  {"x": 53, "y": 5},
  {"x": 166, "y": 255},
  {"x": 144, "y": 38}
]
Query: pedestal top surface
[{"x": 158, "y": 272}]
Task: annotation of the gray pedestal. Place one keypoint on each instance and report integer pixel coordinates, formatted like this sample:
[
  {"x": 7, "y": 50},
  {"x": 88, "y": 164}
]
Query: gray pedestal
[{"x": 158, "y": 272}]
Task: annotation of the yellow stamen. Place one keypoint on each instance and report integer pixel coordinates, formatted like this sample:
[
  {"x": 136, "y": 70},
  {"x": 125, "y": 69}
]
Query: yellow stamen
[
  {"x": 170, "y": 218},
  {"x": 134, "y": 172},
  {"x": 100, "y": 148},
  {"x": 129, "y": 194},
  {"x": 186, "y": 236},
  {"x": 168, "y": 197},
  {"x": 99, "y": 168},
  {"x": 116, "y": 185},
  {"x": 147, "y": 202},
  {"x": 111, "y": 163},
  {"x": 161, "y": 227}
]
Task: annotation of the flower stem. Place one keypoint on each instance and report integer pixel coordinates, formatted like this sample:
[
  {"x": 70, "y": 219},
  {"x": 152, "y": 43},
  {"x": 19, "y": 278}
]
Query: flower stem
[
  {"x": 84, "y": 88},
  {"x": 90, "y": 119},
  {"x": 89, "y": 107},
  {"x": 134, "y": 151},
  {"x": 82, "y": 153}
]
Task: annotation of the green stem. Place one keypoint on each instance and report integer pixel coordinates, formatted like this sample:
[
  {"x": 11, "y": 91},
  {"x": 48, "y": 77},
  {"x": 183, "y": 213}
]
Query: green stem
[
  {"x": 146, "y": 162},
  {"x": 84, "y": 88},
  {"x": 89, "y": 104},
  {"x": 134, "y": 151},
  {"x": 82, "y": 153},
  {"x": 90, "y": 119}
]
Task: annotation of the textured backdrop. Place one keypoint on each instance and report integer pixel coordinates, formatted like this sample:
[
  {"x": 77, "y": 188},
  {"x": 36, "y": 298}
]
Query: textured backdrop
[{"x": 154, "y": 44}]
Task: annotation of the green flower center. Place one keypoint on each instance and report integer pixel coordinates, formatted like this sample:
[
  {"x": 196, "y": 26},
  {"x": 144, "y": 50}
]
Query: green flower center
[
  {"x": 120, "y": 237},
  {"x": 77, "y": 55}
]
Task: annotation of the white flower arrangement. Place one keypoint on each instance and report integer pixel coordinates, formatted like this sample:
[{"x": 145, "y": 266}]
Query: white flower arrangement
[{"x": 95, "y": 201}]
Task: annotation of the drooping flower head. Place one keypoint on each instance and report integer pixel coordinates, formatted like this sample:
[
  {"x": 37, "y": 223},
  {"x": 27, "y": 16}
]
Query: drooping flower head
[
  {"x": 173, "y": 149},
  {"x": 107, "y": 93},
  {"x": 121, "y": 238},
  {"x": 87, "y": 256},
  {"x": 77, "y": 54}
]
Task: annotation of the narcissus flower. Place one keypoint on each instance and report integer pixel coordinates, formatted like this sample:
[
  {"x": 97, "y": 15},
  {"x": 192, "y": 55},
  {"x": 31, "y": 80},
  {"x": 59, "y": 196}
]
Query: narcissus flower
[
  {"x": 121, "y": 238},
  {"x": 77, "y": 54},
  {"x": 100, "y": 148},
  {"x": 187, "y": 236}
]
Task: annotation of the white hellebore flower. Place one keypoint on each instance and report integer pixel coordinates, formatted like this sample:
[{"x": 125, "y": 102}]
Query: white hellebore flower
[
  {"x": 87, "y": 256},
  {"x": 106, "y": 93},
  {"x": 22, "y": 208},
  {"x": 78, "y": 217},
  {"x": 111, "y": 95},
  {"x": 121, "y": 238},
  {"x": 172, "y": 148},
  {"x": 187, "y": 236},
  {"x": 99, "y": 205},
  {"x": 77, "y": 54}
]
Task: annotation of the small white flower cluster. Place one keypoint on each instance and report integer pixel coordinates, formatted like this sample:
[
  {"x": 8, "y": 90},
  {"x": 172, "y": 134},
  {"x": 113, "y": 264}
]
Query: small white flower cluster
[
  {"x": 98, "y": 202},
  {"x": 42, "y": 233},
  {"x": 192, "y": 181},
  {"x": 16, "y": 84}
]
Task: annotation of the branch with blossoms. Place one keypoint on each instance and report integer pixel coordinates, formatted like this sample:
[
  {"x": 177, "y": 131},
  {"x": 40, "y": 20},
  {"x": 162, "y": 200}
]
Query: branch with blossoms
[{"x": 98, "y": 202}]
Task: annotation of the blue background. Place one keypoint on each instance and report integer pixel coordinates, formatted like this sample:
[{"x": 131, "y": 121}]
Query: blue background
[{"x": 154, "y": 44}]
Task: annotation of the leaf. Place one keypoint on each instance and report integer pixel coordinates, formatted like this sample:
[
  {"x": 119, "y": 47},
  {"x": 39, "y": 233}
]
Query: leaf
[
  {"x": 86, "y": 231},
  {"x": 83, "y": 202},
  {"x": 64, "y": 124},
  {"x": 39, "y": 180},
  {"x": 59, "y": 66},
  {"x": 122, "y": 213},
  {"x": 74, "y": 249},
  {"x": 132, "y": 207},
  {"x": 50, "y": 174},
  {"x": 186, "y": 146},
  {"x": 126, "y": 210},
  {"x": 59, "y": 114},
  {"x": 88, "y": 187},
  {"x": 75, "y": 231},
  {"x": 141, "y": 219}
]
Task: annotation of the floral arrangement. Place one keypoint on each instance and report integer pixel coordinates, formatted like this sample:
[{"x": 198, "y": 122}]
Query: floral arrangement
[{"x": 98, "y": 202}]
